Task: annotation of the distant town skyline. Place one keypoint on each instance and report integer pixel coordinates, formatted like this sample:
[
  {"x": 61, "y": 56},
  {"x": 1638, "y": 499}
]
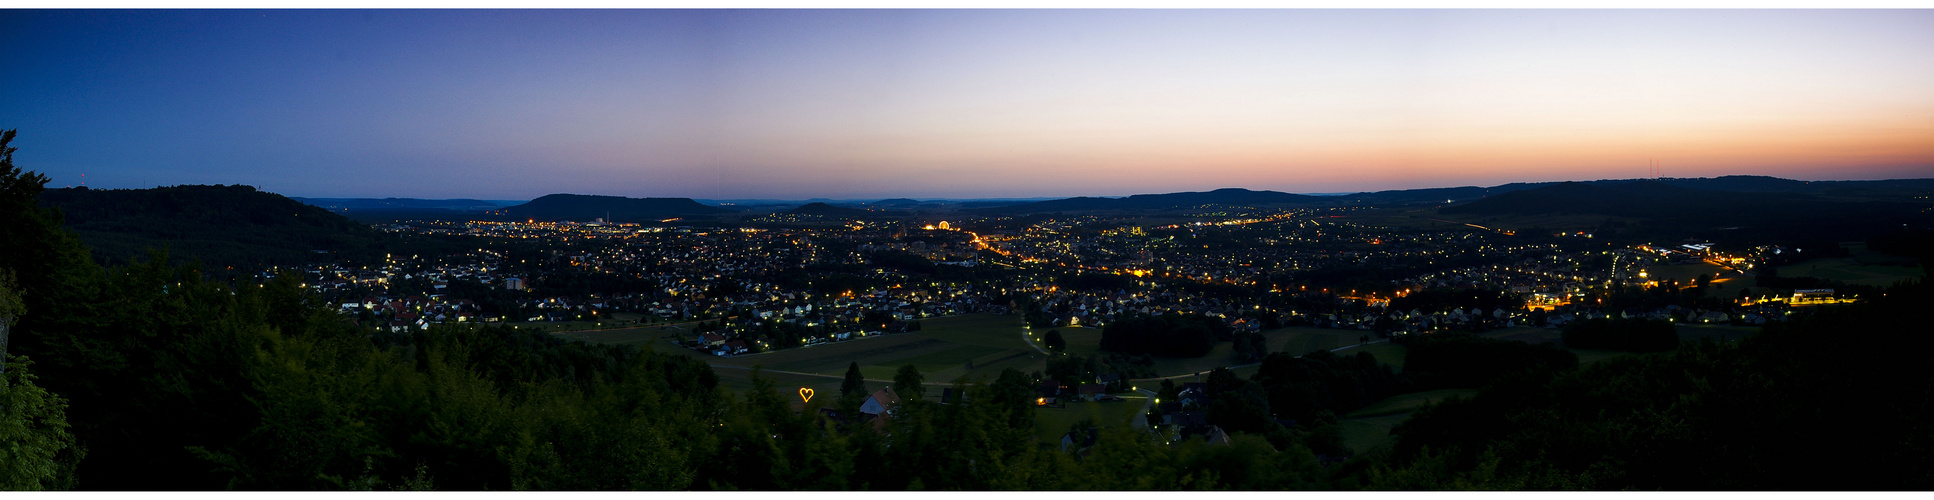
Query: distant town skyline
[{"x": 856, "y": 104}]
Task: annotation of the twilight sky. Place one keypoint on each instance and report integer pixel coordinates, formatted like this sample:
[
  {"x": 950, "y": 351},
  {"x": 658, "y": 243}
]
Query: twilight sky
[{"x": 958, "y": 103}]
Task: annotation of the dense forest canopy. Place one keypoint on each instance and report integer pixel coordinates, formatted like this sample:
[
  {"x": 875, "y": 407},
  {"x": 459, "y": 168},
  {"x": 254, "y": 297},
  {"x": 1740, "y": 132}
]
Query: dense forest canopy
[{"x": 231, "y": 229}]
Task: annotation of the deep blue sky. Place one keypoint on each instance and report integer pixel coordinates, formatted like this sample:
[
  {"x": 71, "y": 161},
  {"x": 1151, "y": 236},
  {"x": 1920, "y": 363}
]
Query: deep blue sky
[{"x": 874, "y": 104}]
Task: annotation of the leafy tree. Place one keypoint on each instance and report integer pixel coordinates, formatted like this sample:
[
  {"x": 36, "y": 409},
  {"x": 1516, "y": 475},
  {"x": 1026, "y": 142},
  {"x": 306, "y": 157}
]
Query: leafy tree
[
  {"x": 1054, "y": 342},
  {"x": 855, "y": 384},
  {"x": 1464, "y": 360},
  {"x": 907, "y": 383},
  {"x": 1622, "y": 334},
  {"x": 10, "y": 307},
  {"x": 1172, "y": 334},
  {"x": 1696, "y": 418},
  {"x": 37, "y": 449}
]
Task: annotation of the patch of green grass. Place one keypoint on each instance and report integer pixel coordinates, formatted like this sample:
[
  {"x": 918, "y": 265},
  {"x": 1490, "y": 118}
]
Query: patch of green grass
[
  {"x": 988, "y": 330},
  {"x": 1300, "y": 340},
  {"x": 1369, "y": 428},
  {"x": 1554, "y": 336},
  {"x": 832, "y": 359},
  {"x": 1852, "y": 271},
  {"x": 655, "y": 335},
  {"x": 1028, "y": 362},
  {"x": 739, "y": 381},
  {"x": 1388, "y": 353},
  {"x": 878, "y": 372},
  {"x": 1406, "y": 403},
  {"x": 1589, "y": 356},
  {"x": 1051, "y": 422},
  {"x": 1692, "y": 333},
  {"x": 951, "y": 358},
  {"x": 1223, "y": 354},
  {"x": 1365, "y": 434},
  {"x": 1524, "y": 334},
  {"x": 1081, "y": 340}
]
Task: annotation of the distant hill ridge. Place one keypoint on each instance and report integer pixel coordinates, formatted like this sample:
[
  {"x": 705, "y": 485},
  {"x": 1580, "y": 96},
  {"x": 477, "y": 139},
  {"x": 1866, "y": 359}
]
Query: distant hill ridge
[
  {"x": 1896, "y": 188},
  {"x": 584, "y": 207},
  {"x": 1669, "y": 209},
  {"x": 461, "y": 205},
  {"x": 1220, "y": 197},
  {"x": 591, "y": 206},
  {"x": 821, "y": 208}
]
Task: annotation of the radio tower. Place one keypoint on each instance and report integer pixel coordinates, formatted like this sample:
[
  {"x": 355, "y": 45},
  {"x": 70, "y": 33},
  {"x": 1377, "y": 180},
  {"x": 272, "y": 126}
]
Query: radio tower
[{"x": 1655, "y": 169}]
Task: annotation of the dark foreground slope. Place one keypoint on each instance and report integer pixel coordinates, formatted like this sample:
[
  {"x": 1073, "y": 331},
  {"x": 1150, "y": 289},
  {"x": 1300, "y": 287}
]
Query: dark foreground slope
[
  {"x": 225, "y": 227},
  {"x": 1838, "y": 401}
]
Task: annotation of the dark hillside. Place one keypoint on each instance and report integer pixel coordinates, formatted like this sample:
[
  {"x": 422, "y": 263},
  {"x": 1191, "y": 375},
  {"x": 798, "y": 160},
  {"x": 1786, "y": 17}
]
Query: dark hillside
[
  {"x": 225, "y": 227},
  {"x": 1434, "y": 195},
  {"x": 581, "y": 207},
  {"x": 1226, "y": 197},
  {"x": 368, "y": 210},
  {"x": 818, "y": 208},
  {"x": 1672, "y": 211}
]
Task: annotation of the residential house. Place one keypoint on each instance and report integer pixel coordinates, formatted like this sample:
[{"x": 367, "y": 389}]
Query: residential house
[{"x": 881, "y": 402}]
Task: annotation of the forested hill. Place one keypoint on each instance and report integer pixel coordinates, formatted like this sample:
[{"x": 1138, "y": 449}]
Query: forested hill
[
  {"x": 1673, "y": 210},
  {"x": 371, "y": 210},
  {"x": 223, "y": 226},
  {"x": 582, "y": 207},
  {"x": 1880, "y": 190},
  {"x": 819, "y": 208},
  {"x": 1226, "y": 197}
]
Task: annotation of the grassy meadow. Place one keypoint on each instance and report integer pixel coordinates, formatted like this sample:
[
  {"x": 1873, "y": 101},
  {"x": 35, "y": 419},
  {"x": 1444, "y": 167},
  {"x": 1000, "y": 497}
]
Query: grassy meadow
[{"x": 942, "y": 350}]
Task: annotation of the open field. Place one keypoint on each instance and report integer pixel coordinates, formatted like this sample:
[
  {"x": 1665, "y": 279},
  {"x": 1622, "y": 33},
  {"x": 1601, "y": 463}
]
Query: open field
[
  {"x": 1531, "y": 335},
  {"x": 1524, "y": 334},
  {"x": 1406, "y": 403},
  {"x": 1586, "y": 356},
  {"x": 1368, "y": 433},
  {"x": 1081, "y": 340},
  {"x": 942, "y": 350},
  {"x": 1369, "y": 428},
  {"x": 1300, "y": 340},
  {"x": 976, "y": 329},
  {"x": 1689, "y": 333},
  {"x": 1295, "y": 340},
  {"x": 1852, "y": 270},
  {"x": 740, "y": 380},
  {"x": 1223, "y": 354},
  {"x": 655, "y": 336},
  {"x": 1386, "y": 353},
  {"x": 1051, "y": 422}
]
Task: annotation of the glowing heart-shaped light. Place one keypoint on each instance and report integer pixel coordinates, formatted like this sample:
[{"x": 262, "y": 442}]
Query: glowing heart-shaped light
[{"x": 806, "y": 394}]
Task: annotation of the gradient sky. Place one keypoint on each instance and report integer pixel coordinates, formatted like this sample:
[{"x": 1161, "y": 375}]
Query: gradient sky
[{"x": 958, "y": 103}]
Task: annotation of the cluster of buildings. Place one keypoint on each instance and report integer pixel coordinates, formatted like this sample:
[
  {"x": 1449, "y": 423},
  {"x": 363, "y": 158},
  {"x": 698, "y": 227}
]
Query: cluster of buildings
[{"x": 748, "y": 280}]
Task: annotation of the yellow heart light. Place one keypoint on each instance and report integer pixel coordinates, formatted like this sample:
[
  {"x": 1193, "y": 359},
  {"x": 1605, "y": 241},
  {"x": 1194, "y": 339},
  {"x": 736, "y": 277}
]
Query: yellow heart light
[{"x": 806, "y": 394}]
